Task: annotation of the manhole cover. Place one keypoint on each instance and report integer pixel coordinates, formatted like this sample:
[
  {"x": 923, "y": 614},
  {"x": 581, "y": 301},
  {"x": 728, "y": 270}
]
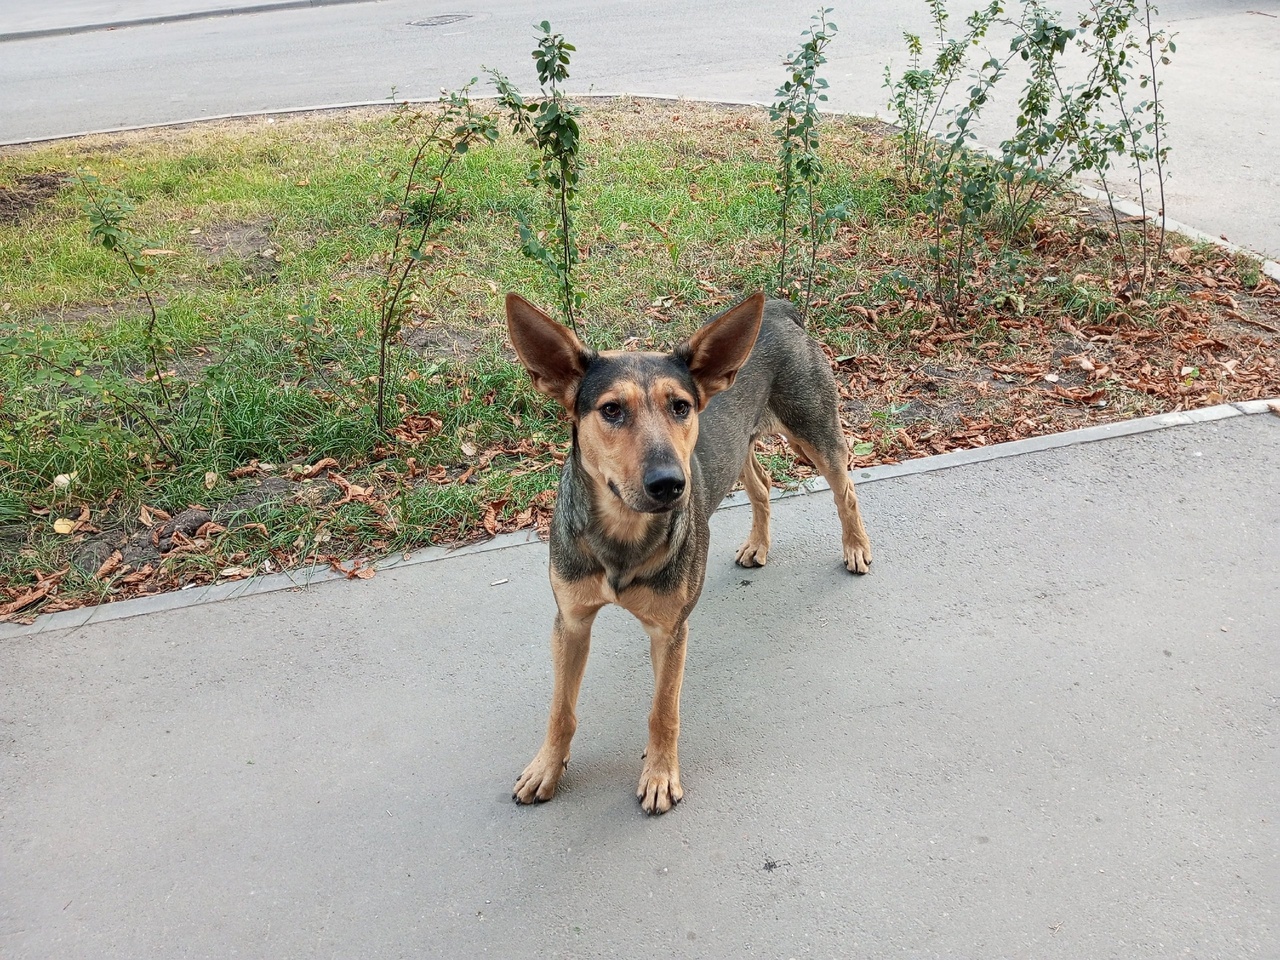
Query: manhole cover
[{"x": 440, "y": 21}]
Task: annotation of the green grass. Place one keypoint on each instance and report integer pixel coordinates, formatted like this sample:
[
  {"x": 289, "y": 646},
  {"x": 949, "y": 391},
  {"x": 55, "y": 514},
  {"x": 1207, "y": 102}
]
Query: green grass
[
  {"x": 272, "y": 356},
  {"x": 272, "y": 347}
]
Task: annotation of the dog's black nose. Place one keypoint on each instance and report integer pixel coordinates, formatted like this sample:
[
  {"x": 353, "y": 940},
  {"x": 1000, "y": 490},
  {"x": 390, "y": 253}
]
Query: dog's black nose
[{"x": 664, "y": 483}]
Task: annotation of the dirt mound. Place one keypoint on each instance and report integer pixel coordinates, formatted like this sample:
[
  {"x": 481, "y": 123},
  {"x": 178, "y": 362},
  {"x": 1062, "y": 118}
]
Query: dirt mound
[
  {"x": 239, "y": 241},
  {"x": 28, "y": 193}
]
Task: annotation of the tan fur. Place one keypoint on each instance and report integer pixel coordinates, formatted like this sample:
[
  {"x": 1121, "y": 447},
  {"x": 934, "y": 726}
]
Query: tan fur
[
  {"x": 612, "y": 518},
  {"x": 665, "y": 620},
  {"x": 854, "y": 539},
  {"x": 755, "y": 480},
  {"x": 570, "y": 644},
  {"x": 614, "y": 458},
  {"x": 664, "y": 617}
]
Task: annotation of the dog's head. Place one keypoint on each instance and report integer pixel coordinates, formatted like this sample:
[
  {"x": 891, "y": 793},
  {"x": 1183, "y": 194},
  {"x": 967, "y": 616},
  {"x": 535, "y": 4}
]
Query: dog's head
[{"x": 635, "y": 414}]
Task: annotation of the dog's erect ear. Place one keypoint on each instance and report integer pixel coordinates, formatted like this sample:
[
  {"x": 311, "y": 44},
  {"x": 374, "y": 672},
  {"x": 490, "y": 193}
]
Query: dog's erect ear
[
  {"x": 717, "y": 352},
  {"x": 554, "y": 357}
]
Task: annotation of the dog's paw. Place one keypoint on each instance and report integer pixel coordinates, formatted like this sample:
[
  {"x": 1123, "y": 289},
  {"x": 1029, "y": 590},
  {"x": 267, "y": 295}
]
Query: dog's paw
[
  {"x": 753, "y": 553},
  {"x": 659, "y": 788},
  {"x": 857, "y": 557},
  {"x": 540, "y": 778}
]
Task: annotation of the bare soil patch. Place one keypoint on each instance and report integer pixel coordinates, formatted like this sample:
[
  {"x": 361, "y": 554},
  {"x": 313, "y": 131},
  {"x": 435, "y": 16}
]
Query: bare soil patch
[{"x": 27, "y": 193}]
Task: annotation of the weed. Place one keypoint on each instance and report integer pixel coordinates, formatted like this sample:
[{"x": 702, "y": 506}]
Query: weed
[
  {"x": 1135, "y": 132},
  {"x": 550, "y": 126},
  {"x": 1040, "y": 158},
  {"x": 107, "y": 210},
  {"x": 1061, "y": 130},
  {"x": 1249, "y": 269},
  {"x": 451, "y": 131},
  {"x": 918, "y": 97},
  {"x": 799, "y": 164}
]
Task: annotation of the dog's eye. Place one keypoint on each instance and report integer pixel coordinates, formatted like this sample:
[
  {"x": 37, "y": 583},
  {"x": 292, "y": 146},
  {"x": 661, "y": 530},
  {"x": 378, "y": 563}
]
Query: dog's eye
[
  {"x": 681, "y": 408},
  {"x": 611, "y": 411}
]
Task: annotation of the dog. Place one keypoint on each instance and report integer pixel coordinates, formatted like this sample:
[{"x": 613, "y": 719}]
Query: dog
[{"x": 658, "y": 441}]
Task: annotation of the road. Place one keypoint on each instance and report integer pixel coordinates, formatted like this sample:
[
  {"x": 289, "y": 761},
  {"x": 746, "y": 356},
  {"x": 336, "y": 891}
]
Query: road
[
  {"x": 1222, "y": 91},
  {"x": 1043, "y": 726}
]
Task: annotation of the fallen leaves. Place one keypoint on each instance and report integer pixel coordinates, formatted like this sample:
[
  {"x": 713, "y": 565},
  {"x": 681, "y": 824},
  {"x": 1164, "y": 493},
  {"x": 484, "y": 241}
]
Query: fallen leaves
[
  {"x": 417, "y": 428},
  {"x": 45, "y": 585},
  {"x": 147, "y": 516},
  {"x": 109, "y": 566},
  {"x": 300, "y": 472},
  {"x": 912, "y": 381},
  {"x": 1080, "y": 395},
  {"x": 66, "y": 526},
  {"x": 359, "y": 570}
]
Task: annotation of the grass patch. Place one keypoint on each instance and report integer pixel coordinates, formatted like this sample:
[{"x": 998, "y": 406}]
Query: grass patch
[{"x": 269, "y": 236}]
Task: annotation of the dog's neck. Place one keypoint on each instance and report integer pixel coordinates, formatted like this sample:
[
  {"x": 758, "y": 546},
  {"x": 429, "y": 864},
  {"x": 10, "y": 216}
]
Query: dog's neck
[{"x": 627, "y": 545}]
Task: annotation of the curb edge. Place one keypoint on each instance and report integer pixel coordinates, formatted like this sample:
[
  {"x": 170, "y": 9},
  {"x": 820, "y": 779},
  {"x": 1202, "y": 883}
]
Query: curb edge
[{"x": 305, "y": 577}]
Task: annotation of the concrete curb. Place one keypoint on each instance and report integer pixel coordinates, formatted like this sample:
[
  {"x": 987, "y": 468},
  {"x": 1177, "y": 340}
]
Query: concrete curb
[
  {"x": 308, "y": 576},
  {"x": 1270, "y": 268},
  {"x": 172, "y": 18}
]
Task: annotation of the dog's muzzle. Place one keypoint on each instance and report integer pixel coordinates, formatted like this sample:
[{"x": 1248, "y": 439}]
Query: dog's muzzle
[{"x": 664, "y": 484}]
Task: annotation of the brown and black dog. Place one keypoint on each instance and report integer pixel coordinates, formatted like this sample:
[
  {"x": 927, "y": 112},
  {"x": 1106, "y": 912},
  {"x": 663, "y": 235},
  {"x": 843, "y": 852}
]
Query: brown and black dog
[{"x": 658, "y": 441}]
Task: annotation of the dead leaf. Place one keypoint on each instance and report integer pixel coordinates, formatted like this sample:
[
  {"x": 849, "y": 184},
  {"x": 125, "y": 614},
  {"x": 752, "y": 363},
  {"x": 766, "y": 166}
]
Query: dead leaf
[
  {"x": 147, "y": 516},
  {"x": 299, "y": 472},
  {"x": 137, "y": 577},
  {"x": 417, "y": 427},
  {"x": 360, "y": 570},
  {"x": 45, "y": 585},
  {"x": 351, "y": 492},
  {"x": 109, "y": 566},
  {"x": 1079, "y": 395},
  {"x": 247, "y": 470},
  {"x": 25, "y": 600}
]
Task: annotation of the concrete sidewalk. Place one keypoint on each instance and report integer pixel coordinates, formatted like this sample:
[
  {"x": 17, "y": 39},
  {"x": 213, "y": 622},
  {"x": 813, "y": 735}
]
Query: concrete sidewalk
[{"x": 1044, "y": 726}]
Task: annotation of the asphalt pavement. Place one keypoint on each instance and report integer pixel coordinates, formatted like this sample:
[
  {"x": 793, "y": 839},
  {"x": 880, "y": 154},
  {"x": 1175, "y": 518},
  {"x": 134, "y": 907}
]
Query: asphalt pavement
[
  {"x": 1044, "y": 726},
  {"x": 1220, "y": 98}
]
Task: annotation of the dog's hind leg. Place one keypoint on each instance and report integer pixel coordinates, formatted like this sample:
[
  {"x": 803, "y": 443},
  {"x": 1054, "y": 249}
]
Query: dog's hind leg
[
  {"x": 830, "y": 454},
  {"x": 570, "y": 644},
  {"x": 805, "y": 402},
  {"x": 755, "y": 479}
]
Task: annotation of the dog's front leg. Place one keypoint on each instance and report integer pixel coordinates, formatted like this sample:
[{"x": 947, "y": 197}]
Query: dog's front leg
[
  {"x": 570, "y": 644},
  {"x": 659, "y": 788}
]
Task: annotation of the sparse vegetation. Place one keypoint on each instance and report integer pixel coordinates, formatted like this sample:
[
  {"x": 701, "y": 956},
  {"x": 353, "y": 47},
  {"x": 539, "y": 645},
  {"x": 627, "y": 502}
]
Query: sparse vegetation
[
  {"x": 1061, "y": 130},
  {"x": 550, "y": 126},
  {"x": 800, "y": 163},
  {"x": 451, "y": 130},
  {"x": 253, "y": 413}
]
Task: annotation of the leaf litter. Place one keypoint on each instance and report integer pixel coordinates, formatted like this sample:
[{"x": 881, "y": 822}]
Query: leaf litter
[{"x": 912, "y": 383}]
